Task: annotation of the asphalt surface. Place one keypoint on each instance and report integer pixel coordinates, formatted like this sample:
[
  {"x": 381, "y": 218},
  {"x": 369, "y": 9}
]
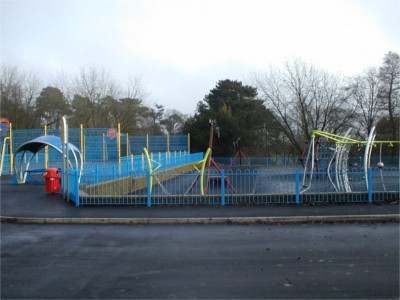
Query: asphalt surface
[
  {"x": 295, "y": 261},
  {"x": 32, "y": 201}
]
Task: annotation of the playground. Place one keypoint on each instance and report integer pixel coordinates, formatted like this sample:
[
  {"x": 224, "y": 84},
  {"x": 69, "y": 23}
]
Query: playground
[{"x": 107, "y": 167}]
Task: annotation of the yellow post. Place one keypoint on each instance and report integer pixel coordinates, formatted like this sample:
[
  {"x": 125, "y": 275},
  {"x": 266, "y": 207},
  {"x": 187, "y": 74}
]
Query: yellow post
[
  {"x": 188, "y": 142},
  {"x": 127, "y": 145},
  {"x": 3, "y": 151},
  {"x": 147, "y": 142},
  {"x": 167, "y": 142},
  {"x": 203, "y": 167},
  {"x": 11, "y": 150},
  {"x": 46, "y": 151},
  {"x": 150, "y": 167}
]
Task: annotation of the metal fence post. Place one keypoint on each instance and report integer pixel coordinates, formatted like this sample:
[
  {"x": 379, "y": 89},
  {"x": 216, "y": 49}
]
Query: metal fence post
[
  {"x": 76, "y": 185},
  {"x": 148, "y": 188},
  {"x": 370, "y": 185},
  {"x": 97, "y": 172},
  {"x": 223, "y": 187},
  {"x": 297, "y": 186}
]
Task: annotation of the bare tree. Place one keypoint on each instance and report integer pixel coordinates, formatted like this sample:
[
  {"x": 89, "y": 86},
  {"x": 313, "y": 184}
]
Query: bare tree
[
  {"x": 135, "y": 88},
  {"x": 98, "y": 100},
  {"x": 95, "y": 85},
  {"x": 19, "y": 91},
  {"x": 389, "y": 94},
  {"x": 303, "y": 98},
  {"x": 365, "y": 92},
  {"x": 173, "y": 121}
]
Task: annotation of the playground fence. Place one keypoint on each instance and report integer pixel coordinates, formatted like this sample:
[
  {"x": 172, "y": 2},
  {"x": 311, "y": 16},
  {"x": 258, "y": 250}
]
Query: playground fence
[
  {"x": 247, "y": 187},
  {"x": 94, "y": 143}
]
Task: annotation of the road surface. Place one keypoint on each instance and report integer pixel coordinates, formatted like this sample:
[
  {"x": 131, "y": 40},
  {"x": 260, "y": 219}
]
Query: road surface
[{"x": 341, "y": 261}]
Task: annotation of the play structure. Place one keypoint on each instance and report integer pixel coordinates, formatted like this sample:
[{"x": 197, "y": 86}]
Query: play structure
[
  {"x": 26, "y": 152},
  {"x": 328, "y": 154},
  {"x": 97, "y": 145},
  {"x": 31, "y": 159},
  {"x": 114, "y": 175},
  {"x": 209, "y": 170},
  {"x": 139, "y": 175},
  {"x": 239, "y": 158},
  {"x": 6, "y": 138},
  {"x": 136, "y": 175}
]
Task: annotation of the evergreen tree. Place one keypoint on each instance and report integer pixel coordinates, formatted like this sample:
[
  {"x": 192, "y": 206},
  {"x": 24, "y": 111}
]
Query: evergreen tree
[{"x": 238, "y": 114}]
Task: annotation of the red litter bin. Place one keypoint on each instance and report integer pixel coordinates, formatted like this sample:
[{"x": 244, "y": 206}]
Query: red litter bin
[{"x": 53, "y": 179}]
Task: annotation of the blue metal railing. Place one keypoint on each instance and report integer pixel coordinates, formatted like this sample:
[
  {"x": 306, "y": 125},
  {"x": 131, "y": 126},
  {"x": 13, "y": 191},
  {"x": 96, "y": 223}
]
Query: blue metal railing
[{"x": 257, "y": 186}]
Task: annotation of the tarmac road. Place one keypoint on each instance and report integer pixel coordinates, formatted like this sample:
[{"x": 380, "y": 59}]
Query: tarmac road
[{"x": 323, "y": 261}]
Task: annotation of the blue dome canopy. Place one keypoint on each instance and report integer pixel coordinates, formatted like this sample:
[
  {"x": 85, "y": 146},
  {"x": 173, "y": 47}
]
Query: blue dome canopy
[{"x": 37, "y": 144}]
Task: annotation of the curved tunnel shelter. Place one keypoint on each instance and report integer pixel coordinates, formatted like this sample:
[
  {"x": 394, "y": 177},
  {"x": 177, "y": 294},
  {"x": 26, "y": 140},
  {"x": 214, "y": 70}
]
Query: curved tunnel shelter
[{"x": 37, "y": 144}]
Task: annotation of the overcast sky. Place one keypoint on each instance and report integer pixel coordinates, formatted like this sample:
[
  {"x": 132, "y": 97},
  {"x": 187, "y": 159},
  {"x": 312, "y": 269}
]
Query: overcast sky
[{"x": 181, "y": 48}]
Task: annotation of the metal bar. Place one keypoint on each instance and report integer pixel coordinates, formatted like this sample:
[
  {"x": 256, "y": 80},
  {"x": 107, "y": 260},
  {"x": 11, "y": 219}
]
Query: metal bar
[
  {"x": 223, "y": 187},
  {"x": 149, "y": 188},
  {"x": 370, "y": 185},
  {"x": 297, "y": 174}
]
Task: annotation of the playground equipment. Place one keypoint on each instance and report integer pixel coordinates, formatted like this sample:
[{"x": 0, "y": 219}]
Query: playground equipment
[
  {"x": 97, "y": 145},
  {"x": 167, "y": 175},
  {"x": 6, "y": 130},
  {"x": 137, "y": 173},
  {"x": 329, "y": 154},
  {"x": 153, "y": 173},
  {"x": 22, "y": 165},
  {"x": 200, "y": 174},
  {"x": 239, "y": 154},
  {"x": 210, "y": 160},
  {"x": 206, "y": 163}
]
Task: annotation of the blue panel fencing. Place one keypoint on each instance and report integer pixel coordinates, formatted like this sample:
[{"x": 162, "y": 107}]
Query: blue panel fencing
[{"x": 94, "y": 144}]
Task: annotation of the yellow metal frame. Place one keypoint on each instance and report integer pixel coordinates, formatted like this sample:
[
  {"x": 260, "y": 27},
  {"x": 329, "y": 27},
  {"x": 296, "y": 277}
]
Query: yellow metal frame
[
  {"x": 149, "y": 162},
  {"x": 3, "y": 151},
  {"x": 202, "y": 169},
  {"x": 345, "y": 140}
]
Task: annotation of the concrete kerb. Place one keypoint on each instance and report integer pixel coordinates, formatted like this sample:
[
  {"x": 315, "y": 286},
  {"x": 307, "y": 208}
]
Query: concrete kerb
[{"x": 216, "y": 220}]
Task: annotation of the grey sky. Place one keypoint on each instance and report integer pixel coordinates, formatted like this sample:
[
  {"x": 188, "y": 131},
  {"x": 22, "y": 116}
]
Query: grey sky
[{"x": 183, "y": 47}]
